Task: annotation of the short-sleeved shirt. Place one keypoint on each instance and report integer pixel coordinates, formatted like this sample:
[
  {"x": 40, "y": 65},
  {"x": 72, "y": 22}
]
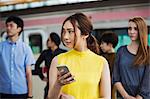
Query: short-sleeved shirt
[
  {"x": 135, "y": 80},
  {"x": 87, "y": 68},
  {"x": 14, "y": 59}
]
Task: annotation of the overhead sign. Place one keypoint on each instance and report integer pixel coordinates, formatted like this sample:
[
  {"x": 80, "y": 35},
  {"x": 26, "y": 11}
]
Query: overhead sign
[{"x": 11, "y": 2}]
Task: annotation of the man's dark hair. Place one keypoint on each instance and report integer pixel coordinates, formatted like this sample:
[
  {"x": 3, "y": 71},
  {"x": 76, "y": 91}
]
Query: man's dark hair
[
  {"x": 109, "y": 37},
  {"x": 16, "y": 20},
  {"x": 55, "y": 38}
]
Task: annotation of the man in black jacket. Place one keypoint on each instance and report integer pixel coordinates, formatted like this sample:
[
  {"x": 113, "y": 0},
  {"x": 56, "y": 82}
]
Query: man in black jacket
[{"x": 47, "y": 55}]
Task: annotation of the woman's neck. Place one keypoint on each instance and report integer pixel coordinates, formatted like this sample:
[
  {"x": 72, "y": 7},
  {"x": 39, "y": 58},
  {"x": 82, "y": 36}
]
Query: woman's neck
[
  {"x": 133, "y": 47},
  {"x": 82, "y": 47}
]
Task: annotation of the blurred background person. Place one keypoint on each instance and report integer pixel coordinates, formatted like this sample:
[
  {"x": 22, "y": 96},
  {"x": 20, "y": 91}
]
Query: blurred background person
[
  {"x": 16, "y": 59},
  {"x": 47, "y": 55},
  {"x": 132, "y": 66},
  {"x": 108, "y": 42}
]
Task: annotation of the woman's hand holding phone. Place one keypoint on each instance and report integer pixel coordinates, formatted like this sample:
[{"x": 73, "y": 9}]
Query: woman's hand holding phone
[
  {"x": 65, "y": 96},
  {"x": 64, "y": 76}
]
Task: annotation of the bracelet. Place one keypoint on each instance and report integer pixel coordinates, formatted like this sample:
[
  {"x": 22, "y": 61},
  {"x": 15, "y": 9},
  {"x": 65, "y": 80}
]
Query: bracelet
[{"x": 29, "y": 96}]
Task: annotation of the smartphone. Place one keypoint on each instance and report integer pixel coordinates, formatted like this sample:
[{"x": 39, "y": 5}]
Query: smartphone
[{"x": 65, "y": 68}]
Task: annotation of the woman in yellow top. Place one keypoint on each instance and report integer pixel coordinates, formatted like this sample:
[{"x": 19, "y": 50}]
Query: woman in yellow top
[{"x": 89, "y": 76}]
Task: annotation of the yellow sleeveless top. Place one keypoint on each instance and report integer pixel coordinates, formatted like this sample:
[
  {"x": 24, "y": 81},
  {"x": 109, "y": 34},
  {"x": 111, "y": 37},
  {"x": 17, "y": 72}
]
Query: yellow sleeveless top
[{"x": 87, "y": 68}]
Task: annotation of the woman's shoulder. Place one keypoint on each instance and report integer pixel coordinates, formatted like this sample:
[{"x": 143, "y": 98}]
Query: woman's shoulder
[
  {"x": 97, "y": 57},
  {"x": 122, "y": 48},
  {"x": 103, "y": 59}
]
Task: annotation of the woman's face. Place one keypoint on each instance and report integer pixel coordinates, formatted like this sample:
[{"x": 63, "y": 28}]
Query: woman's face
[
  {"x": 70, "y": 38},
  {"x": 133, "y": 31}
]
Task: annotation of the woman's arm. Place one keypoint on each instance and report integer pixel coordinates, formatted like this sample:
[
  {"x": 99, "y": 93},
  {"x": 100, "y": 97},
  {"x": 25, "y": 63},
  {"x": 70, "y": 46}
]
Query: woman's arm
[
  {"x": 37, "y": 65},
  {"x": 57, "y": 80},
  {"x": 139, "y": 97},
  {"x": 144, "y": 89},
  {"x": 54, "y": 87},
  {"x": 105, "y": 83},
  {"x": 122, "y": 91}
]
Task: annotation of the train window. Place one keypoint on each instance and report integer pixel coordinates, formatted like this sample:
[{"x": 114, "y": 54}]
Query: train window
[{"x": 35, "y": 41}]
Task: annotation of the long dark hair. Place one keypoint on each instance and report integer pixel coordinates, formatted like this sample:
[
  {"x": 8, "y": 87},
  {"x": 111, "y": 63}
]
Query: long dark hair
[{"x": 84, "y": 24}]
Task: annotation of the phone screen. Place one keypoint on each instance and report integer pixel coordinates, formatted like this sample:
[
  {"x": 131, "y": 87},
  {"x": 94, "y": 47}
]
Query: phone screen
[{"x": 65, "y": 68}]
